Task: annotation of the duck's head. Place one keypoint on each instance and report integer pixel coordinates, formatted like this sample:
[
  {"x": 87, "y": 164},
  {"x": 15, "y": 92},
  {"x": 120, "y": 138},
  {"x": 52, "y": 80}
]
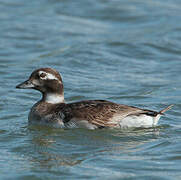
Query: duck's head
[{"x": 48, "y": 81}]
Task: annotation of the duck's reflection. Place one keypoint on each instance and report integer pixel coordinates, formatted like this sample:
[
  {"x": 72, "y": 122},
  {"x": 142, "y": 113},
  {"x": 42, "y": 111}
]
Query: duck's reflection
[{"x": 53, "y": 148}]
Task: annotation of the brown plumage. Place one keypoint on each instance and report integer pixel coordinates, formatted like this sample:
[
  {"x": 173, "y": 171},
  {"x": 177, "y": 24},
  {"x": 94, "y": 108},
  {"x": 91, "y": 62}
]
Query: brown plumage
[
  {"x": 100, "y": 112},
  {"x": 52, "y": 109}
]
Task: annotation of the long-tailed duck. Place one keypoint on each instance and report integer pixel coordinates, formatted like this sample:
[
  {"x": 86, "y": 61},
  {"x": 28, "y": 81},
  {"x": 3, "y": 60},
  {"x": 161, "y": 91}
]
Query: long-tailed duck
[{"x": 53, "y": 111}]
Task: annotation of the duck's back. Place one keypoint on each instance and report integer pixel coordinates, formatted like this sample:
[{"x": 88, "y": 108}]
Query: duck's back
[{"x": 100, "y": 113}]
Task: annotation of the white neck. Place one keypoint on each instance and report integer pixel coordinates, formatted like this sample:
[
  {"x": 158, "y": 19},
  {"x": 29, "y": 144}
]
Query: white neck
[{"x": 54, "y": 98}]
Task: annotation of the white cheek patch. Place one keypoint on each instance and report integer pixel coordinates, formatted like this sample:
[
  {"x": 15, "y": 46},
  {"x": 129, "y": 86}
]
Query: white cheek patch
[{"x": 48, "y": 76}]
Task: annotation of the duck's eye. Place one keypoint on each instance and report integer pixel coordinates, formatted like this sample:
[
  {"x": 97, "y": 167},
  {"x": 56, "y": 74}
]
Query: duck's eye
[{"x": 42, "y": 75}]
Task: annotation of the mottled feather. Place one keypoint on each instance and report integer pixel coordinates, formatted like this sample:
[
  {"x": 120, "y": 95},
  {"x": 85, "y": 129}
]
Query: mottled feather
[{"x": 100, "y": 112}]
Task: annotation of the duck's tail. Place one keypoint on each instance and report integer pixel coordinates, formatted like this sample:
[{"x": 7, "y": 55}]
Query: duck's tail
[
  {"x": 166, "y": 109},
  {"x": 161, "y": 113}
]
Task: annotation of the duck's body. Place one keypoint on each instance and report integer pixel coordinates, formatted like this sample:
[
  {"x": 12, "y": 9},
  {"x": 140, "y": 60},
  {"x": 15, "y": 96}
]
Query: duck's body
[{"x": 91, "y": 114}]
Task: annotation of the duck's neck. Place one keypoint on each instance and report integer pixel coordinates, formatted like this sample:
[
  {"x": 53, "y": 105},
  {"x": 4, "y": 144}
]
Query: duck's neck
[{"x": 53, "y": 98}]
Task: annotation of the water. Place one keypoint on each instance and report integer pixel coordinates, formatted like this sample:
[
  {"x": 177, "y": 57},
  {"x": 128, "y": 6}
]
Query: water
[{"x": 124, "y": 51}]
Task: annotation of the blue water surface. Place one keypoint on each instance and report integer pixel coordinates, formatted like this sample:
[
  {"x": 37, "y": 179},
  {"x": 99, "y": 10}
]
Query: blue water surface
[{"x": 124, "y": 51}]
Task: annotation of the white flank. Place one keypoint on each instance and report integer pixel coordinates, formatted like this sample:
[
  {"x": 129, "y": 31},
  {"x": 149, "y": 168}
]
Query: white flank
[
  {"x": 48, "y": 76},
  {"x": 138, "y": 121},
  {"x": 54, "y": 98}
]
